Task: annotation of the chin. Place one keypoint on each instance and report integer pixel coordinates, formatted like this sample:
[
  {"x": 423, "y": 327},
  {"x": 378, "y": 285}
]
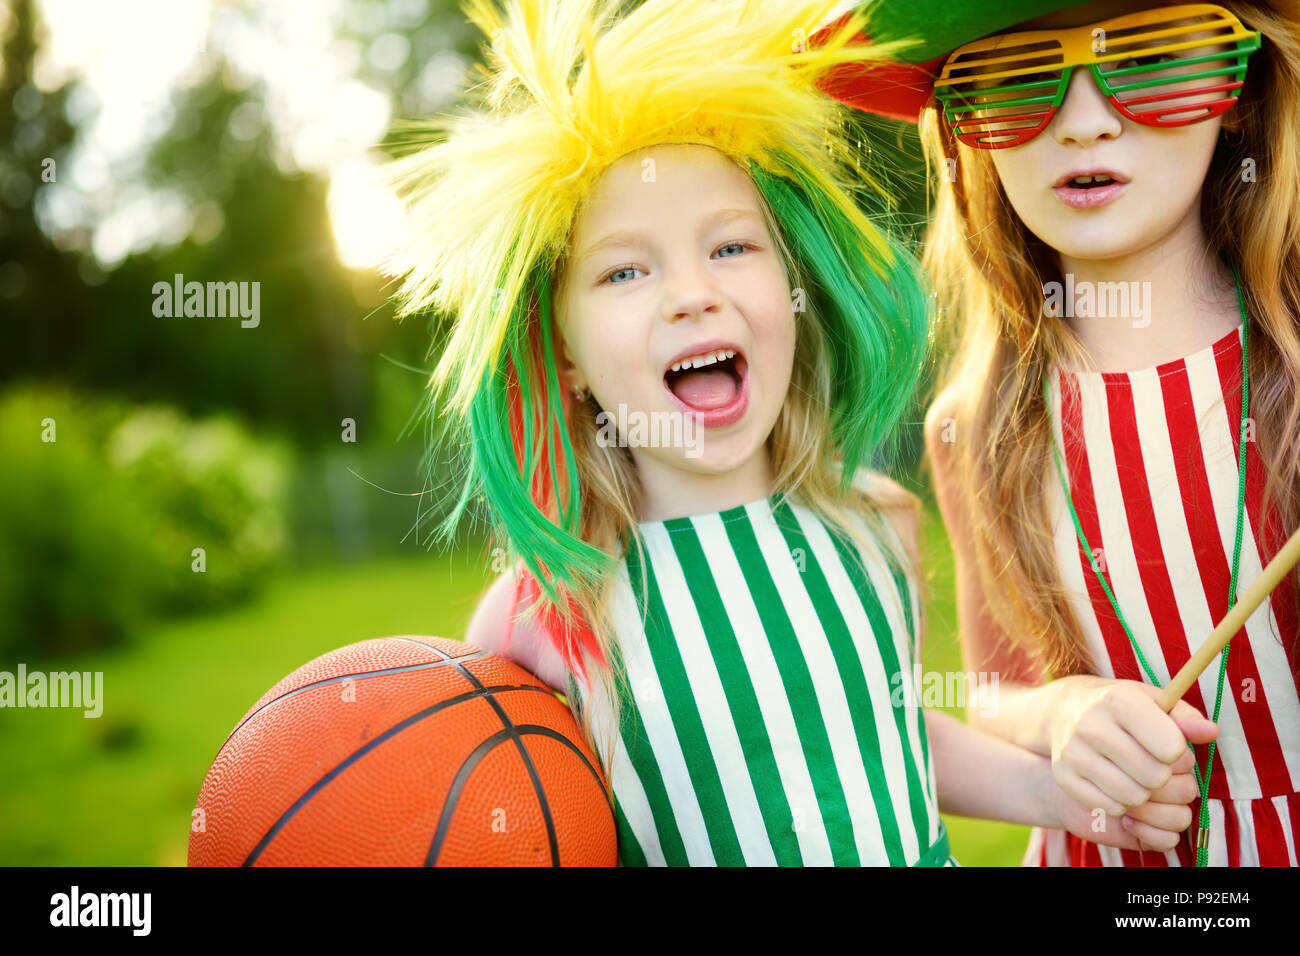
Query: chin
[
  {"x": 718, "y": 456},
  {"x": 1098, "y": 241}
]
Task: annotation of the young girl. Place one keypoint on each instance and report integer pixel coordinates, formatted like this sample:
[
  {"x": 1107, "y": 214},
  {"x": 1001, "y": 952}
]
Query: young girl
[
  {"x": 1116, "y": 441},
  {"x": 677, "y": 339}
]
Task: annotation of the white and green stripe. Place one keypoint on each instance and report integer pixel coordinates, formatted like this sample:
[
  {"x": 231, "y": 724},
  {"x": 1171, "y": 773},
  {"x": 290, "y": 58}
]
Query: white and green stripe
[{"x": 761, "y": 728}]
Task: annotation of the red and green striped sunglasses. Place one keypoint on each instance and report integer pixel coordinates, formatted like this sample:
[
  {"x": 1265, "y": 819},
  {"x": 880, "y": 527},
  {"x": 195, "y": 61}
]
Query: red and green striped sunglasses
[{"x": 1170, "y": 66}]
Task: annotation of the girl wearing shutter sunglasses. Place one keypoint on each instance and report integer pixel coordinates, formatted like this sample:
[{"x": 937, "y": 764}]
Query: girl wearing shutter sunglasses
[{"x": 1116, "y": 247}]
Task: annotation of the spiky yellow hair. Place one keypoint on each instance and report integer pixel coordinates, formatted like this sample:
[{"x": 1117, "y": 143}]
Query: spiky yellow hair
[{"x": 573, "y": 86}]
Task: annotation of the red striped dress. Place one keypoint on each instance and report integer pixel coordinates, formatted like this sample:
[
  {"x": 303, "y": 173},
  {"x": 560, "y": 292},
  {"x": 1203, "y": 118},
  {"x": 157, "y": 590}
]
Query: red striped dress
[{"x": 1151, "y": 457}]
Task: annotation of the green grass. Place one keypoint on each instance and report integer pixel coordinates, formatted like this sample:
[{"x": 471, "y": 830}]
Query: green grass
[{"x": 118, "y": 790}]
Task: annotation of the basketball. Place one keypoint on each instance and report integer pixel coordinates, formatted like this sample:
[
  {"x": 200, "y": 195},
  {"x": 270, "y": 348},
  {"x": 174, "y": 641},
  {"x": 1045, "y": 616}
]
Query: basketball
[{"x": 405, "y": 751}]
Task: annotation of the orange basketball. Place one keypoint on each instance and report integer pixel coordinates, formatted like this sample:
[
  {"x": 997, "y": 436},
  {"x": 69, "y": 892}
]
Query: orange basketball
[{"x": 405, "y": 751}]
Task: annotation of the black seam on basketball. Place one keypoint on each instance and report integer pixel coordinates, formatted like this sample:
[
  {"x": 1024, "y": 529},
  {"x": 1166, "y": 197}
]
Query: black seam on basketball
[
  {"x": 543, "y": 804},
  {"x": 366, "y": 748},
  {"x": 361, "y": 675},
  {"x": 515, "y": 732},
  {"x": 538, "y": 789},
  {"x": 508, "y": 725},
  {"x": 594, "y": 772},
  {"x": 437, "y": 650}
]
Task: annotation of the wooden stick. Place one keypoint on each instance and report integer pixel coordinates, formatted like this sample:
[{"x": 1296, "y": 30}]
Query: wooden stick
[{"x": 1232, "y": 622}]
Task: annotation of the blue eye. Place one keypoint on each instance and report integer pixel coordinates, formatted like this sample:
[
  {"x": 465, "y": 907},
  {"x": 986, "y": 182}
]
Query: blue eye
[
  {"x": 735, "y": 245},
  {"x": 619, "y": 271},
  {"x": 610, "y": 277}
]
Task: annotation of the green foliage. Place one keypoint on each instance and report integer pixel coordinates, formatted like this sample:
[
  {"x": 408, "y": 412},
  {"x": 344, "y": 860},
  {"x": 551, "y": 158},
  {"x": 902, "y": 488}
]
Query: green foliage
[
  {"x": 118, "y": 790},
  {"x": 71, "y": 568},
  {"x": 210, "y": 486},
  {"x": 104, "y": 505}
]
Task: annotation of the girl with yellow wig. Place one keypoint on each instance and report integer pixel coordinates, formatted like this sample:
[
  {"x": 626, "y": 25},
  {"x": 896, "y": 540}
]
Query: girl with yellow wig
[{"x": 676, "y": 344}]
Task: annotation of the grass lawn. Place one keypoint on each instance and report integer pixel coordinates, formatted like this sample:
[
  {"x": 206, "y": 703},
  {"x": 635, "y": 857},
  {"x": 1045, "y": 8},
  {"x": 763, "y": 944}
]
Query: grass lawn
[{"x": 118, "y": 790}]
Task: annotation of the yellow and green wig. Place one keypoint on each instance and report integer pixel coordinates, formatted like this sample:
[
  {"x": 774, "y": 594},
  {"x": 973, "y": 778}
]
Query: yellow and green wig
[{"x": 570, "y": 87}]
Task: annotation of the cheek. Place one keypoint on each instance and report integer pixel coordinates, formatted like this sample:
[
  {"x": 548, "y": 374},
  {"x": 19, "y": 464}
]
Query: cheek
[
  {"x": 770, "y": 306},
  {"x": 1026, "y": 177},
  {"x": 609, "y": 346},
  {"x": 1184, "y": 162},
  {"x": 776, "y": 337}
]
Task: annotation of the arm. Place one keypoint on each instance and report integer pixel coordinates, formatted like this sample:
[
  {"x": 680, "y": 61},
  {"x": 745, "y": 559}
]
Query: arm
[
  {"x": 1110, "y": 746},
  {"x": 977, "y": 775},
  {"x": 1021, "y": 711},
  {"x": 493, "y": 629},
  {"x": 980, "y": 775}
]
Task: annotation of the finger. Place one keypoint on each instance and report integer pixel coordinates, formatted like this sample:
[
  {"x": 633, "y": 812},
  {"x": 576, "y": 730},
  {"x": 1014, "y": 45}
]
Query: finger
[
  {"x": 1153, "y": 838},
  {"x": 1108, "y": 831},
  {"x": 1086, "y": 794},
  {"x": 1181, "y": 788},
  {"x": 1163, "y": 816},
  {"x": 1113, "y": 833},
  {"x": 1111, "y": 780},
  {"x": 1157, "y": 732},
  {"x": 1133, "y": 760},
  {"x": 1194, "y": 725}
]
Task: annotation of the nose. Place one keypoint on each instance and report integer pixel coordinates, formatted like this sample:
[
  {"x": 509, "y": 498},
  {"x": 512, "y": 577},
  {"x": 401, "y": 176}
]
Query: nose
[
  {"x": 689, "y": 292},
  {"x": 1085, "y": 115}
]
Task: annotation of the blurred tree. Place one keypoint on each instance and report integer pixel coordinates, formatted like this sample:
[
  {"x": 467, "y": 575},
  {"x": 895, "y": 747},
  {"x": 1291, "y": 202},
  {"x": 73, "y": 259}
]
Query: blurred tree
[
  {"x": 310, "y": 361},
  {"x": 37, "y": 282},
  {"x": 314, "y": 358}
]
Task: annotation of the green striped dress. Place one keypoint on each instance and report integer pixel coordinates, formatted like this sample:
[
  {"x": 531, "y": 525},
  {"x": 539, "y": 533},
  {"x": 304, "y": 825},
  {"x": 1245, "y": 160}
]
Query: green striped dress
[{"x": 773, "y": 716}]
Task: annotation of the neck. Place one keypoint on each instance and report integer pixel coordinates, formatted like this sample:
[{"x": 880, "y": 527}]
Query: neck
[
  {"x": 672, "y": 492},
  {"x": 1180, "y": 299}
]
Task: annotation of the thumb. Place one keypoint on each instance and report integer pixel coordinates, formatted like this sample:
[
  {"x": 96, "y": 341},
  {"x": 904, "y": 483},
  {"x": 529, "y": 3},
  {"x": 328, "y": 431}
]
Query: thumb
[{"x": 1196, "y": 727}]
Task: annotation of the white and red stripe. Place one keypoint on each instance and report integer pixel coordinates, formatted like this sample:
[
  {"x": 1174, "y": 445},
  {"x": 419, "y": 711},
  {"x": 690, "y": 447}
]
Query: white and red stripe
[{"x": 1151, "y": 457}]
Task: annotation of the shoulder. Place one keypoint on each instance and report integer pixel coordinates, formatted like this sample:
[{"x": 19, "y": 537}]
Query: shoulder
[
  {"x": 941, "y": 424},
  {"x": 499, "y": 626},
  {"x": 941, "y": 437},
  {"x": 489, "y": 625},
  {"x": 895, "y": 504}
]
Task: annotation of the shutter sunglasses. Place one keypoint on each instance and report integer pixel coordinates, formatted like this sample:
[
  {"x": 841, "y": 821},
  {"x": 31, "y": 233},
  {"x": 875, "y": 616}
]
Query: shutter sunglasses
[{"x": 1171, "y": 66}]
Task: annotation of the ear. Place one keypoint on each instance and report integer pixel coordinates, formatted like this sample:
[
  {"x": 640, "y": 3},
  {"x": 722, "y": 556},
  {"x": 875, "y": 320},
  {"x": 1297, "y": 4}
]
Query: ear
[{"x": 571, "y": 376}]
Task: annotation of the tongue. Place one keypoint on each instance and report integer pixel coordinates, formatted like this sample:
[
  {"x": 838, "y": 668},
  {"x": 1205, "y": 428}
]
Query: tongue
[{"x": 706, "y": 388}]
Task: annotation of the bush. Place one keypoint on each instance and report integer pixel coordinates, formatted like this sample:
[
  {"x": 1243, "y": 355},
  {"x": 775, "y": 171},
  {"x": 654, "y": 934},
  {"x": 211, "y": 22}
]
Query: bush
[
  {"x": 70, "y": 563},
  {"x": 213, "y": 489},
  {"x": 98, "y": 527}
]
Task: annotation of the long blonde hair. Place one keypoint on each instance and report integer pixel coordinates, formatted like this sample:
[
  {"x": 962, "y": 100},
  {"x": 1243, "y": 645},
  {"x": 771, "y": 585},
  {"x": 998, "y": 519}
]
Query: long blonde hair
[{"x": 989, "y": 272}]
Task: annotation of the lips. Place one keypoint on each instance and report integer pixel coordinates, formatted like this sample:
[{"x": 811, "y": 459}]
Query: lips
[
  {"x": 709, "y": 380},
  {"x": 1080, "y": 188},
  {"x": 1081, "y": 173}
]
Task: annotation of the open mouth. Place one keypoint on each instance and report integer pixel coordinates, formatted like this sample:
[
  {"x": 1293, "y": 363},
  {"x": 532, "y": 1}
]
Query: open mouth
[
  {"x": 1090, "y": 182},
  {"x": 1089, "y": 190},
  {"x": 707, "y": 381}
]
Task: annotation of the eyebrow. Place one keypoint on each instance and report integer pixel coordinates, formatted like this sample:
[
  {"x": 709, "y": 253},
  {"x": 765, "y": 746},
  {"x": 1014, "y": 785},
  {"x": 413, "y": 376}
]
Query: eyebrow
[{"x": 627, "y": 238}]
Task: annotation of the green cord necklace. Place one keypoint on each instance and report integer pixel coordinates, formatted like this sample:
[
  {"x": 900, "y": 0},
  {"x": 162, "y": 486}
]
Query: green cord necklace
[{"x": 1203, "y": 780}]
